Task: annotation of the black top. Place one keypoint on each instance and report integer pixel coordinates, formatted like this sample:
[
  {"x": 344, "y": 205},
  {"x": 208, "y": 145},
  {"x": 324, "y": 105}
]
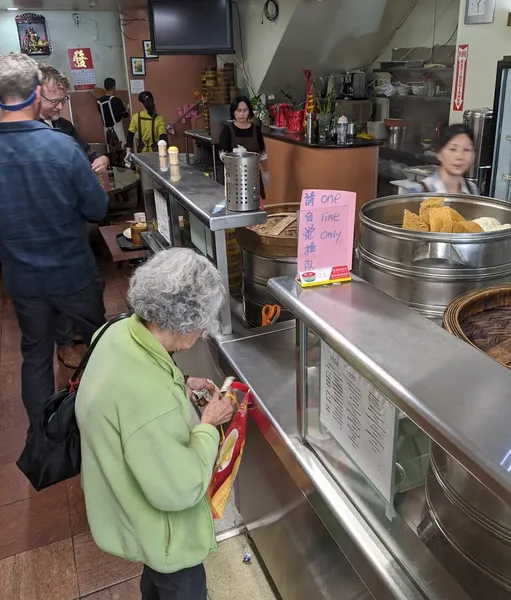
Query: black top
[
  {"x": 226, "y": 143},
  {"x": 118, "y": 109},
  {"x": 68, "y": 128}
]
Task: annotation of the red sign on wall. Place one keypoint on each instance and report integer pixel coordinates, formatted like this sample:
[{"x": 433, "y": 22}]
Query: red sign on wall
[
  {"x": 460, "y": 78},
  {"x": 82, "y": 68}
]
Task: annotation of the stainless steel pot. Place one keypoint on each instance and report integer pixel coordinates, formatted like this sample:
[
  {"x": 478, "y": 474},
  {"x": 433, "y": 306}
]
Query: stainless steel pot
[
  {"x": 428, "y": 270},
  {"x": 256, "y": 271}
]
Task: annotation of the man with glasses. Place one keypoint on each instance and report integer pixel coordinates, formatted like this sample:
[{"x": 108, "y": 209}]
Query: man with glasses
[
  {"x": 54, "y": 95},
  {"x": 48, "y": 192}
]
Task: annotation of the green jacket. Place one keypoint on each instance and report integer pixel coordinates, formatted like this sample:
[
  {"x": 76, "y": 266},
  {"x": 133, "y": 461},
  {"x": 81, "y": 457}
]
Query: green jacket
[{"x": 145, "y": 471}]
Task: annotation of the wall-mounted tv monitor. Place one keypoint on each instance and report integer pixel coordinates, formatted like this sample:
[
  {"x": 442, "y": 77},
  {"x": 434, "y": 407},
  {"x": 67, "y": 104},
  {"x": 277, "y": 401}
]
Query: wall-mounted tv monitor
[{"x": 191, "y": 26}]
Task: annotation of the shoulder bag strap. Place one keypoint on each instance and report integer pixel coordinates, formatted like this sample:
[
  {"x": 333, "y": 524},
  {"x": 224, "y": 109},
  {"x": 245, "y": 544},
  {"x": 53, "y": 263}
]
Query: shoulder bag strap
[
  {"x": 83, "y": 363},
  {"x": 140, "y": 142},
  {"x": 153, "y": 132}
]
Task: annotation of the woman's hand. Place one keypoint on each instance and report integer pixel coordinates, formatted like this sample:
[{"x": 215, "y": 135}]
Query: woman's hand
[
  {"x": 218, "y": 411},
  {"x": 199, "y": 383},
  {"x": 100, "y": 165}
]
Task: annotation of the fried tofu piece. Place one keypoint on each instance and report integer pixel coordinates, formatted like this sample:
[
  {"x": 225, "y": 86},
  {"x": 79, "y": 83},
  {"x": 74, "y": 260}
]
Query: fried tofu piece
[
  {"x": 414, "y": 222},
  {"x": 466, "y": 227},
  {"x": 427, "y": 205},
  {"x": 447, "y": 226}
]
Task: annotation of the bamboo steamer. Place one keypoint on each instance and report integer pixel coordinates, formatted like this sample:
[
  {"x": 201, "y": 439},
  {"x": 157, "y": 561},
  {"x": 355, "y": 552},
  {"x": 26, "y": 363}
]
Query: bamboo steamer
[
  {"x": 482, "y": 318},
  {"x": 270, "y": 246}
]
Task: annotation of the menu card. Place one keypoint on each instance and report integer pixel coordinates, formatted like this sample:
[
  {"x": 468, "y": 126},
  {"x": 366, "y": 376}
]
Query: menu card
[
  {"x": 325, "y": 236},
  {"x": 360, "y": 419}
]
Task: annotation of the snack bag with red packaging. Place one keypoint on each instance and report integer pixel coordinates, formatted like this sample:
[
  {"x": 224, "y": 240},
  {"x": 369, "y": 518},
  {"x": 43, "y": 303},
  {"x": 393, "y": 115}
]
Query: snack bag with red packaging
[{"x": 229, "y": 454}]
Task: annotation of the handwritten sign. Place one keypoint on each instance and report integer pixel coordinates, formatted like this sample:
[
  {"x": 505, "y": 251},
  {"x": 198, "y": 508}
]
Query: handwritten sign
[{"x": 325, "y": 236}]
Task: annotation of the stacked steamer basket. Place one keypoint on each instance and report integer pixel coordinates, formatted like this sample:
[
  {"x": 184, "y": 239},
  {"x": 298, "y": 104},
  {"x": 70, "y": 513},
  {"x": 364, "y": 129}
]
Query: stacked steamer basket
[
  {"x": 218, "y": 89},
  {"x": 472, "y": 521},
  {"x": 267, "y": 250}
]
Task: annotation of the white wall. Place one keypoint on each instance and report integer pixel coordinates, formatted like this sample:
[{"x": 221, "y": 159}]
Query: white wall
[
  {"x": 98, "y": 31},
  {"x": 260, "y": 41},
  {"x": 417, "y": 30},
  {"x": 487, "y": 44}
]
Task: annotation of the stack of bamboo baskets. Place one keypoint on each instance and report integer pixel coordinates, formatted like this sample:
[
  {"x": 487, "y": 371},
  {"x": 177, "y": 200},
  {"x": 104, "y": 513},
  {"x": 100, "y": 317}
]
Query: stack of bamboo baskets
[{"x": 218, "y": 88}]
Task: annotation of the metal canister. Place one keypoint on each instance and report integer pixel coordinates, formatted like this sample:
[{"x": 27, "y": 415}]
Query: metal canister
[
  {"x": 242, "y": 181},
  {"x": 309, "y": 130}
]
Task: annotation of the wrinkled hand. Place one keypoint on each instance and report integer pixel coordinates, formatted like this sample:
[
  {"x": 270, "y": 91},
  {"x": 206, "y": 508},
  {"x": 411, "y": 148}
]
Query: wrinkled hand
[
  {"x": 101, "y": 164},
  {"x": 218, "y": 411},
  {"x": 199, "y": 383}
]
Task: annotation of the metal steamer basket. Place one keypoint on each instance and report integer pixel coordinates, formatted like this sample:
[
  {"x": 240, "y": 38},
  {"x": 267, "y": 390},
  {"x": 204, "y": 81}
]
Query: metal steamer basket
[
  {"x": 242, "y": 181},
  {"x": 427, "y": 270}
]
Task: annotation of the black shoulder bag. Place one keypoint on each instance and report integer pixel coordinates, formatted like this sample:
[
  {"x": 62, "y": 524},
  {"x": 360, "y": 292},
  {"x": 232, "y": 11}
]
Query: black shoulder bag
[{"x": 52, "y": 450}]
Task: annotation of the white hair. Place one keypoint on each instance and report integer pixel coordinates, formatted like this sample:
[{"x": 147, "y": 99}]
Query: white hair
[
  {"x": 19, "y": 75},
  {"x": 178, "y": 290}
]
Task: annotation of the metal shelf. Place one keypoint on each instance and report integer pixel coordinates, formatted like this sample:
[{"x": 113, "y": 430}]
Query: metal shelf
[
  {"x": 426, "y": 98},
  {"x": 416, "y": 70}
]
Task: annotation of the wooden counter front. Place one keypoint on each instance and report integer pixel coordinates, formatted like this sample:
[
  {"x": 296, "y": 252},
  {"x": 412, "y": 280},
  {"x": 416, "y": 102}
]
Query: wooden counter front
[{"x": 295, "y": 167}]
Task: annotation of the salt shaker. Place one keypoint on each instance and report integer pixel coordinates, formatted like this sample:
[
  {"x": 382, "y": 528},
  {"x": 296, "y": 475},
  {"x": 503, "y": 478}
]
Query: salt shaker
[{"x": 175, "y": 172}]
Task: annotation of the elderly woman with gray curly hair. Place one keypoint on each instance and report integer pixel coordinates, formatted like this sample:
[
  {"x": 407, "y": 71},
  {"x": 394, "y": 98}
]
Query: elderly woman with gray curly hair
[{"x": 145, "y": 467}]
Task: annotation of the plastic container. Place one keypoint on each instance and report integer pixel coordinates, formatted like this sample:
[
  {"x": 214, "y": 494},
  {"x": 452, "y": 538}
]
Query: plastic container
[
  {"x": 342, "y": 130},
  {"x": 162, "y": 148},
  {"x": 175, "y": 171}
]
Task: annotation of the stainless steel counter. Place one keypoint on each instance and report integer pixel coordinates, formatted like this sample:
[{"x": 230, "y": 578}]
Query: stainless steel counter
[
  {"x": 457, "y": 395},
  {"x": 198, "y": 194}
]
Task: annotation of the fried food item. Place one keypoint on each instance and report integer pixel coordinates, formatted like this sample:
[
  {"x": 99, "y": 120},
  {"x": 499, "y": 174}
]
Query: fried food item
[
  {"x": 427, "y": 205},
  {"x": 413, "y": 222},
  {"x": 467, "y": 227}
]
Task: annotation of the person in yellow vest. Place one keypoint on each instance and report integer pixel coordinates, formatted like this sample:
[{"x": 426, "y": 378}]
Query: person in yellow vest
[{"x": 148, "y": 124}]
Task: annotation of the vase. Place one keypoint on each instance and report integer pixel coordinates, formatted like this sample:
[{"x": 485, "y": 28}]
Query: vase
[{"x": 324, "y": 121}]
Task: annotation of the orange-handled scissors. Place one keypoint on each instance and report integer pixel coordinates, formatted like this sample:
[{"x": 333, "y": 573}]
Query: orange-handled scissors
[{"x": 270, "y": 314}]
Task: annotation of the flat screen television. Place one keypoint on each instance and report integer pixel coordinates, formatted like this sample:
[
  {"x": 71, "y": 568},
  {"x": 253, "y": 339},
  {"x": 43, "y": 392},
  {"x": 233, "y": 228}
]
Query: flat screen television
[{"x": 191, "y": 26}]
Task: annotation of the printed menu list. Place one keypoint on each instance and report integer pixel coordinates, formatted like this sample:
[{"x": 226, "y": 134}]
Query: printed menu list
[{"x": 360, "y": 419}]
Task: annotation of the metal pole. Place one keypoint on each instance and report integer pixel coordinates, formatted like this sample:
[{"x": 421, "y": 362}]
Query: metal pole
[
  {"x": 301, "y": 379},
  {"x": 223, "y": 268}
]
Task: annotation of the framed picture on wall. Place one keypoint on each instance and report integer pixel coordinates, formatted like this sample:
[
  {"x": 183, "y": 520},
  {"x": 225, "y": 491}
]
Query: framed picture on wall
[
  {"x": 32, "y": 34},
  {"x": 148, "y": 49},
  {"x": 138, "y": 67}
]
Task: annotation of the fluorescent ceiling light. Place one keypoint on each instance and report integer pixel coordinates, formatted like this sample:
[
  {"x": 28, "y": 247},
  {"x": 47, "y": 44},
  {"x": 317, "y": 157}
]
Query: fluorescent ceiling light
[{"x": 11, "y": 8}]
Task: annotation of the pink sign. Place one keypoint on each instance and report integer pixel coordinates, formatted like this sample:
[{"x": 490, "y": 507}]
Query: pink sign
[{"x": 325, "y": 236}]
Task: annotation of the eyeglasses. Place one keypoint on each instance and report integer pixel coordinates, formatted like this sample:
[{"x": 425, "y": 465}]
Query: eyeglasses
[{"x": 56, "y": 101}]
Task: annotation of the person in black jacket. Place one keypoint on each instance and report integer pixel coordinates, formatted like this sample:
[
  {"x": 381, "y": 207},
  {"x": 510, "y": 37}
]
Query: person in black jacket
[
  {"x": 54, "y": 95},
  {"x": 113, "y": 112}
]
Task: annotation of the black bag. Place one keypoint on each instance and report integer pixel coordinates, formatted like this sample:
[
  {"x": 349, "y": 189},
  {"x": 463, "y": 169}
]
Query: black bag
[{"x": 52, "y": 450}]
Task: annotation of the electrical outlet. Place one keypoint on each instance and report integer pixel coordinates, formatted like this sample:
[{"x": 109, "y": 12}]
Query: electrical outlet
[
  {"x": 96, "y": 56},
  {"x": 271, "y": 96},
  {"x": 77, "y": 18}
]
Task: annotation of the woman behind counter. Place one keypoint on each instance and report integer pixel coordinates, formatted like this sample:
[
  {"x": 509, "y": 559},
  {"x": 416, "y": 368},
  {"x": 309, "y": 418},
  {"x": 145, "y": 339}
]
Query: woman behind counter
[
  {"x": 242, "y": 132},
  {"x": 149, "y": 125},
  {"x": 456, "y": 154},
  {"x": 145, "y": 467}
]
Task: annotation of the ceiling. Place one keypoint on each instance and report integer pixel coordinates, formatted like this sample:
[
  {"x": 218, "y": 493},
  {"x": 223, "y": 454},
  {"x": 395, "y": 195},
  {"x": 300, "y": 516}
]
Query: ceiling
[{"x": 71, "y": 5}]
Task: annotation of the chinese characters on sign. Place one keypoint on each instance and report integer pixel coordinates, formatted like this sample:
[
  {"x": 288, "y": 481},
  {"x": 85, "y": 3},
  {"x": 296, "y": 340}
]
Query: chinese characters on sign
[
  {"x": 82, "y": 68},
  {"x": 460, "y": 79},
  {"x": 325, "y": 236}
]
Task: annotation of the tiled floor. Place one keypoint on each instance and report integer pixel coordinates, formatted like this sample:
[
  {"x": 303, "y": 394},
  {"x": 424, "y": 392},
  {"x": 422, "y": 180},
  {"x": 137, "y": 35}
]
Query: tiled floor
[{"x": 46, "y": 551}]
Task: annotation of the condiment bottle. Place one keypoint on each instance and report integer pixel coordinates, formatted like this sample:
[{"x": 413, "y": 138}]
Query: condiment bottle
[
  {"x": 162, "y": 147},
  {"x": 342, "y": 130},
  {"x": 175, "y": 172}
]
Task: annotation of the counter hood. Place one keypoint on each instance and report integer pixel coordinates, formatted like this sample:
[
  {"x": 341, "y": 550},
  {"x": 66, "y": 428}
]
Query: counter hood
[{"x": 325, "y": 36}]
